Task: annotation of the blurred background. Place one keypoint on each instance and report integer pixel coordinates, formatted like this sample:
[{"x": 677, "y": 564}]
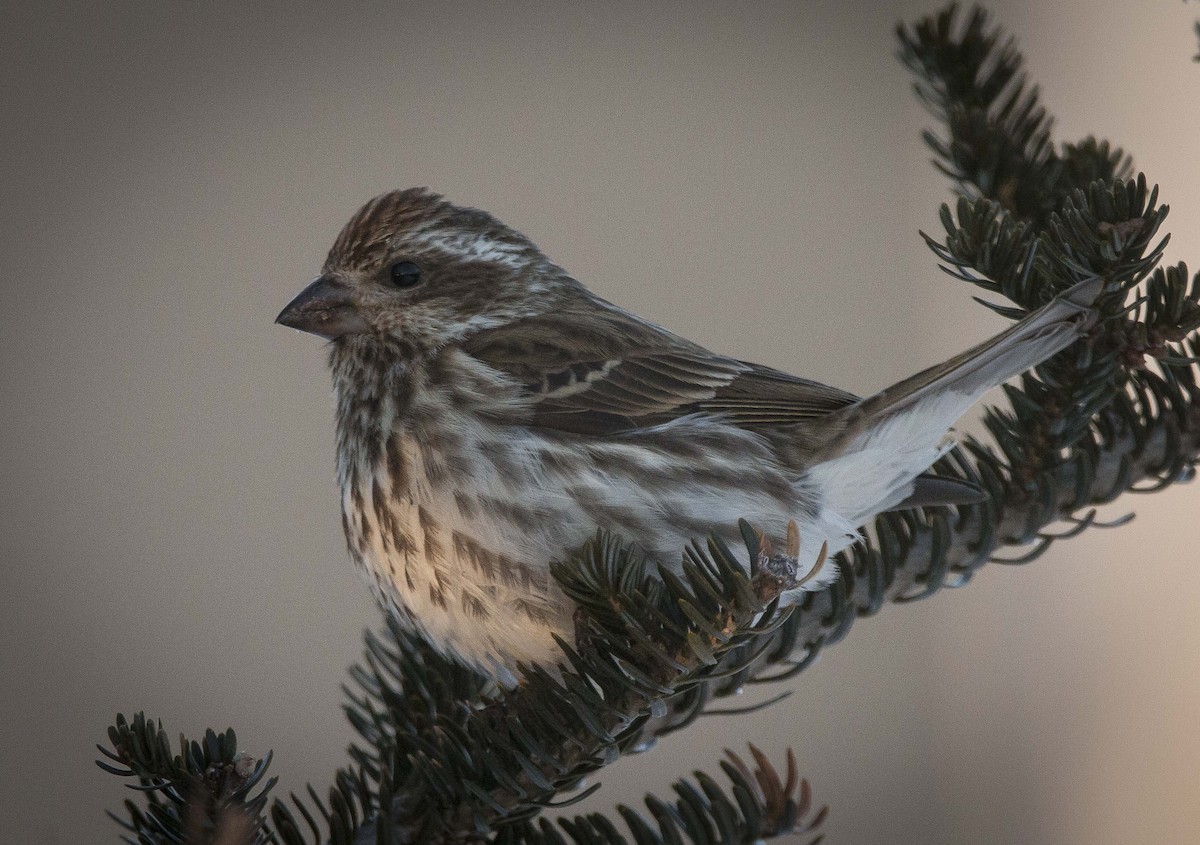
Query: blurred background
[{"x": 749, "y": 175}]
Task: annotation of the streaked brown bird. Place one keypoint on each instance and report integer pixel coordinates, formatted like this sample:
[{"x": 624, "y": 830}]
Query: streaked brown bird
[{"x": 492, "y": 413}]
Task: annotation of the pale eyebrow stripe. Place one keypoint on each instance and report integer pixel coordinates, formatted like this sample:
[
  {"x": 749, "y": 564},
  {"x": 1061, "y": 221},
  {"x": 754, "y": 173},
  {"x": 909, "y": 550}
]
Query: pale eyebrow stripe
[{"x": 473, "y": 247}]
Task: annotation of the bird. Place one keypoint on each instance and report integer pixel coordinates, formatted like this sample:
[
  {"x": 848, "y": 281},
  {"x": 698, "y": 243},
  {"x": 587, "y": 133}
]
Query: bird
[{"x": 492, "y": 414}]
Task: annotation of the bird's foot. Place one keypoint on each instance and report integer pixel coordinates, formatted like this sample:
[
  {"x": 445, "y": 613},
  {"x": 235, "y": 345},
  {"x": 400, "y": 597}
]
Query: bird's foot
[{"x": 779, "y": 573}]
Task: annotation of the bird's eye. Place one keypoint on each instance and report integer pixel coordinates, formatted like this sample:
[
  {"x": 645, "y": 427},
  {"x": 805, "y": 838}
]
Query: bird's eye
[{"x": 405, "y": 274}]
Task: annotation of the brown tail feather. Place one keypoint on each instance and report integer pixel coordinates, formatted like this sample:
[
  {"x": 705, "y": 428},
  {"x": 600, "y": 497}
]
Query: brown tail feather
[
  {"x": 873, "y": 451},
  {"x": 1022, "y": 346}
]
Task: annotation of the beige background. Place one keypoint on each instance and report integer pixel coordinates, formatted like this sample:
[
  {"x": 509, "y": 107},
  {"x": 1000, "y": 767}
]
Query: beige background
[{"x": 749, "y": 175}]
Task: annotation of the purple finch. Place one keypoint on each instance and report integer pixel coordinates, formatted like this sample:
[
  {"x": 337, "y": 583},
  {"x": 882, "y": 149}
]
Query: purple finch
[{"x": 492, "y": 413}]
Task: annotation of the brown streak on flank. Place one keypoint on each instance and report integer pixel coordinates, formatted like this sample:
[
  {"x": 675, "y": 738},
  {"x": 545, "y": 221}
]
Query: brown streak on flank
[
  {"x": 383, "y": 513},
  {"x": 442, "y": 456},
  {"x": 523, "y": 517},
  {"x": 770, "y": 483},
  {"x": 440, "y": 589},
  {"x": 501, "y": 458},
  {"x": 484, "y": 562},
  {"x": 390, "y": 528},
  {"x": 461, "y": 544},
  {"x": 474, "y": 606},
  {"x": 460, "y": 465},
  {"x": 367, "y": 530},
  {"x": 698, "y": 530},
  {"x": 498, "y": 567},
  {"x": 435, "y": 467},
  {"x": 402, "y": 539},
  {"x": 529, "y": 579},
  {"x": 535, "y": 611},
  {"x": 514, "y": 573},
  {"x": 619, "y": 518},
  {"x": 434, "y": 551},
  {"x": 473, "y": 553},
  {"x": 390, "y": 531},
  {"x": 467, "y": 505},
  {"x": 556, "y": 460},
  {"x": 397, "y": 468}
]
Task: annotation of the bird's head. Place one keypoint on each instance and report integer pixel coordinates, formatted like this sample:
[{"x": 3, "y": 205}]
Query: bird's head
[{"x": 414, "y": 268}]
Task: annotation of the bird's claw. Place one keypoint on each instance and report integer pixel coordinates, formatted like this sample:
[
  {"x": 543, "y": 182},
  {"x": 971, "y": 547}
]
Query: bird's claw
[{"x": 778, "y": 573}]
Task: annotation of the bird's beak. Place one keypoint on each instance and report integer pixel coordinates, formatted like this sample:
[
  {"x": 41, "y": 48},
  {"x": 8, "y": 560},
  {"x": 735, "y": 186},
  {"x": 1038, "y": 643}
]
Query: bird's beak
[{"x": 324, "y": 308}]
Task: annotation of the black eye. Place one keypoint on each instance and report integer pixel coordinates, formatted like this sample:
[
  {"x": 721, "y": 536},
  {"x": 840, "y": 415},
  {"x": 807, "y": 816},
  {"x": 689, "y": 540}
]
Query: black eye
[{"x": 405, "y": 274}]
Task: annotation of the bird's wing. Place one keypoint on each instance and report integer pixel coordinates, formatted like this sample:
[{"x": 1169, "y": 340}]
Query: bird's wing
[{"x": 612, "y": 372}]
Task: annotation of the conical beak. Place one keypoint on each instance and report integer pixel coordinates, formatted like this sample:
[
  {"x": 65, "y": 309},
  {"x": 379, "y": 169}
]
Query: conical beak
[{"x": 324, "y": 308}]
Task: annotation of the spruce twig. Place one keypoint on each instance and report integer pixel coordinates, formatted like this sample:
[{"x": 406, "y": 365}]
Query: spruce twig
[{"x": 451, "y": 757}]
